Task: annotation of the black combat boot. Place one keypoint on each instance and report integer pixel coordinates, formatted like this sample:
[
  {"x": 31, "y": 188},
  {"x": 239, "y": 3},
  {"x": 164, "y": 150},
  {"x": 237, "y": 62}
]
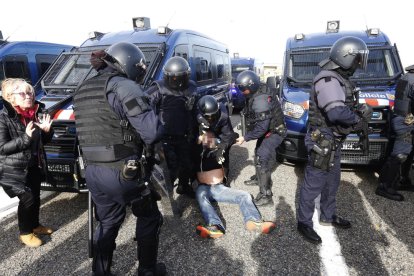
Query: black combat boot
[
  {"x": 389, "y": 175},
  {"x": 147, "y": 258},
  {"x": 101, "y": 263},
  {"x": 158, "y": 270},
  {"x": 264, "y": 197},
  {"x": 388, "y": 192},
  {"x": 184, "y": 188},
  {"x": 252, "y": 181}
]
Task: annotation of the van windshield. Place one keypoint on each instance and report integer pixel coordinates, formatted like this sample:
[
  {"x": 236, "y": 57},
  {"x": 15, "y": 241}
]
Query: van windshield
[
  {"x": 302, "y": 66},
  {"x": 72, "y": 68}
]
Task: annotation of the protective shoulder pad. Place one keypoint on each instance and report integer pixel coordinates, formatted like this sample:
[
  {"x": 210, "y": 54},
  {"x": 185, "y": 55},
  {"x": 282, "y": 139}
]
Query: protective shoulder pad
[
  {"x": 328, "y": 75},
  {"x": 133, "y": 99}
]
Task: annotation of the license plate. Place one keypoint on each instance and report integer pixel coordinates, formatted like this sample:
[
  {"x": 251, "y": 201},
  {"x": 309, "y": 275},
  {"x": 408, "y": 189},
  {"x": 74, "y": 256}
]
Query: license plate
[{"x": 350, "y": 146}]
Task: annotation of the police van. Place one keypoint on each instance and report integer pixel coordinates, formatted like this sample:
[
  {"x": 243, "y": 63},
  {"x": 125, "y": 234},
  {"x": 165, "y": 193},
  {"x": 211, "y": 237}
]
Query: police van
[
  {"x": 377, "y": 88},
  {"x": 210, "y": 69},
  {"x": 28, "y": 60}
]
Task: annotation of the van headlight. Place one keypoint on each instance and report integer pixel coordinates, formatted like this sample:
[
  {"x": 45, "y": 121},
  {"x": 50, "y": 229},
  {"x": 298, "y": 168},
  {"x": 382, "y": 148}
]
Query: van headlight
[{"x": 293, "y": 110}]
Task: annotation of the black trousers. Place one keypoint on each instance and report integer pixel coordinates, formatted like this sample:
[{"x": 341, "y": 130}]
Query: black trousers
[
  {"x": 177, "y": 151},
  {"x": 111, "y": 194},
  {"x": 29, "y": 204}
]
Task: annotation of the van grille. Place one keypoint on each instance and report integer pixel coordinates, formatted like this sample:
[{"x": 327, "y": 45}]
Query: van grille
[
  {"x": 63, "y": 171},
  {"x": 377, "y": 152}
]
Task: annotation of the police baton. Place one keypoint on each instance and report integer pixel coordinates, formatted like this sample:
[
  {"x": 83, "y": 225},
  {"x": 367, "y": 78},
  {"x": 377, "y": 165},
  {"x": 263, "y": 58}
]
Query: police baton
[{"x": 90, "y": 225}]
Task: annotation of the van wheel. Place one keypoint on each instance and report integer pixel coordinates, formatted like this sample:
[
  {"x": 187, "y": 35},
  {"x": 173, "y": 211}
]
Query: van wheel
[{"x": 279, "y": 158}]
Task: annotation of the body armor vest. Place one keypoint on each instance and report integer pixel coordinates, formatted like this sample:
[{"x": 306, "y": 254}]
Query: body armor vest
[
  {"x": 175, "y": 108},
  {"x": 404, "y": 104},
  {"x": 274, "y": 113},
  {"x": 318, "y": 116},
  {"x": 103, "y": 136}
]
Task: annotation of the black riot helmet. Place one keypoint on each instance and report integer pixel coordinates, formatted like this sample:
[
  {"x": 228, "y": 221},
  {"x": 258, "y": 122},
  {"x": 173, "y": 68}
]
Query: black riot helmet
[
  {"x": 127, "y": 59},
  {"x": 347, "y": 53},
  {"x": 209, "y": 108},
  {"x": 248, "y": 80},
  {"x": 177, "y": 73}
]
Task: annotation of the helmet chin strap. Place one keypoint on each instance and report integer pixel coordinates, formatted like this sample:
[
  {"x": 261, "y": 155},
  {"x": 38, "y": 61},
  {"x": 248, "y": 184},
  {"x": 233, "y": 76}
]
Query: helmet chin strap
[{"x": 345, "y": 73}]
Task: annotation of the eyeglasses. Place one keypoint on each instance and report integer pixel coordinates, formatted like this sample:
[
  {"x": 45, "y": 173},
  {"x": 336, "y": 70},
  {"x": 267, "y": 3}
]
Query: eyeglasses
[{"x": 24, "y": 94}]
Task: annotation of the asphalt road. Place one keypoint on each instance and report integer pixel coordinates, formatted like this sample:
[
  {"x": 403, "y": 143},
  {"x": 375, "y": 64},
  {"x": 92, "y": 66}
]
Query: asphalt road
[{"x": 380, "y": 242}]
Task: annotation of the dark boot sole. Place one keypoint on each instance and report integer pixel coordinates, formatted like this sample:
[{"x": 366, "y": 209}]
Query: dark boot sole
[
  {"x": 308, "y": 239},
  {"x": 389, "y": 196}
]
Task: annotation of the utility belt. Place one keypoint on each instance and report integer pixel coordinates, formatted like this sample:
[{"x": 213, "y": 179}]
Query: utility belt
[{"x": 322, "y": 154}]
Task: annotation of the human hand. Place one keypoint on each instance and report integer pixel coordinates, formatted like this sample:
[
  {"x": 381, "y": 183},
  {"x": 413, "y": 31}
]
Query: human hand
[
  {"x": 30, "y": 129},
  {"x": 45, "y": 123},
  {"x": 240, "y": 140}
]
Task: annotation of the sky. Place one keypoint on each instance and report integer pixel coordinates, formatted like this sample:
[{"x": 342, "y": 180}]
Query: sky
[{"x": 257, "y": 29}]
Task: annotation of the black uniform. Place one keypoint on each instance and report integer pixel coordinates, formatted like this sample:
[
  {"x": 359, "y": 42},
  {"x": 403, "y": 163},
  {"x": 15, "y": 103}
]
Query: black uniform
[
  {"x": 330, "y": 121},
  {"x": 175, "y": 109},
  {"x": 113, "y": 121},
  {"x": 264, "y": 122},
  {"x": 395, "y": 173},
  {"x": 332, "y": 116}
]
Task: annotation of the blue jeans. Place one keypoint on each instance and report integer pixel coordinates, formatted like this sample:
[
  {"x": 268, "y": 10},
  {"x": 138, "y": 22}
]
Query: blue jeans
[{"x": 220, "y": 193}]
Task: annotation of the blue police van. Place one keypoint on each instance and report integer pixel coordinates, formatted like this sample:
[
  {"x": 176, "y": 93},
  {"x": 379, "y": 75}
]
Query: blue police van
[
  {"x": 377, "y": 88},
  {"x": 210, "y": 69},
  {"x": 238, "y": 65},
  {"x": 28, "y": 60}
]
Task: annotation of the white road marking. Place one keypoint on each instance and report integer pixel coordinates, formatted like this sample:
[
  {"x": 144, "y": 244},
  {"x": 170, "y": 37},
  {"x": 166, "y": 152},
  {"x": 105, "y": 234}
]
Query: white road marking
[{"x": 332, "y": 261}]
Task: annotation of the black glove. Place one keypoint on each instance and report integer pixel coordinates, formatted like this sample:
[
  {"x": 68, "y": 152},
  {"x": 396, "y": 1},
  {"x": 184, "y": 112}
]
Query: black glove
[
  {"x": 203, "y": 123},
  {"x": 365, "y": 111}
]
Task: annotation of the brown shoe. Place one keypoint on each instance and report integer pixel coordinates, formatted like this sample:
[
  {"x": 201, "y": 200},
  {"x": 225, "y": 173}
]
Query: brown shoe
[
  {"x": 43, "y": 230},
  {"x": 265, "y": 227},
  {"x": 31, "y": 240}
]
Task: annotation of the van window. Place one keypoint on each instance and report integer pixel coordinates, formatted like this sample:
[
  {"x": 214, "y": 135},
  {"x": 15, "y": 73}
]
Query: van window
[
  {"x": 181, "y": 51},
  {"x": 2, "y": 77},
  {"x": 304, "y": 65},
  {"x": 43, "y": 62},
  {"x": 16, "y": 67},
  {"x": 220, "y": 66},
  {"x": 203, "y": 65}
]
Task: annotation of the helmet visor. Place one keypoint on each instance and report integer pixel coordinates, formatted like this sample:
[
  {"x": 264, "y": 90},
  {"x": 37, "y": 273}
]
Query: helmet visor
[
  {"x": 213, "y": 118},
  {"x": 177, "y": 82},
  {"x": 242, "y": 87},
  {"x": 362, "y": 58}
]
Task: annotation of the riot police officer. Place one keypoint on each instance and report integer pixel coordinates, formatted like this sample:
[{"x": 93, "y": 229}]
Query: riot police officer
[
  {"x": 395, "y": 173},
  {"x": 264, "y": 122},
  {"x": 173, "y": 97},
  {"x": 213, "y": 116},
  {"x": 332, "y": 115},
  {"x": 113, "y": 122}
]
